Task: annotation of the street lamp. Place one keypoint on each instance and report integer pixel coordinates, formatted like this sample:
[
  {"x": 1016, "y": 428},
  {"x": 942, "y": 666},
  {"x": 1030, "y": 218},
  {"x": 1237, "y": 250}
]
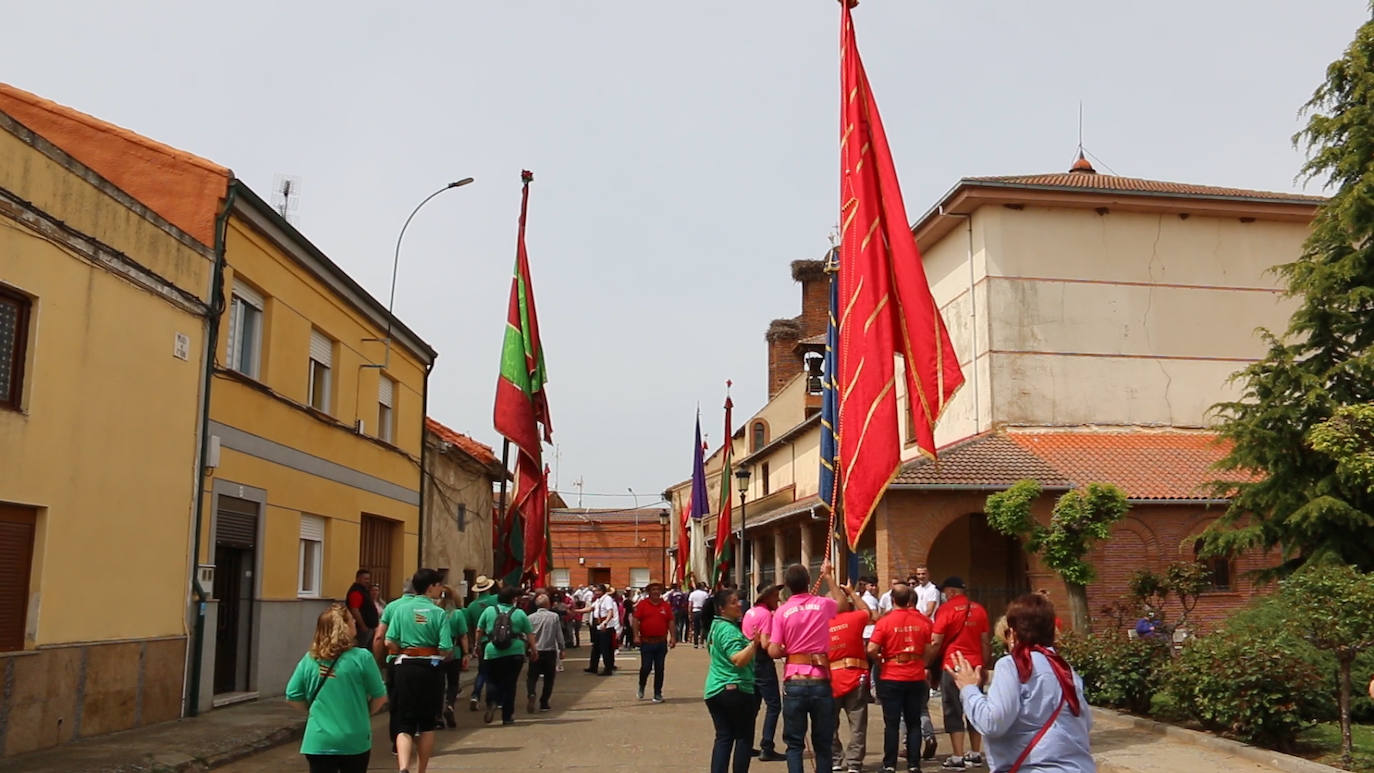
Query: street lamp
[
  {"x": 396, "y": 261},
  {"x": 742, "y": 481},
  {"x": 663, "y": 560}
]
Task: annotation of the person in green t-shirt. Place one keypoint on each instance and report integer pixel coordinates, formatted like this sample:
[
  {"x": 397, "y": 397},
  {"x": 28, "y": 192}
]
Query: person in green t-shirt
[
  {"x": 729, "y": 690},
  {"x": 419, "y": 637},
  {"x": 457, "y": 620},
  {"x": 339, "y": 687},
  {"x": 504, "y": 663},
  {"x": 486, "y": 597}
]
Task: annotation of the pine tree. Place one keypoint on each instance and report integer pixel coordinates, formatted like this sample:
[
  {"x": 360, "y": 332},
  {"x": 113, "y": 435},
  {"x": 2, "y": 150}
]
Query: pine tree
[{"x": 1293, "y": 498}]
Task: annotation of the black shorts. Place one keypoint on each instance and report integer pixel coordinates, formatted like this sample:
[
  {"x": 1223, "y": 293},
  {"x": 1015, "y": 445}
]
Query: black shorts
[{"x": 419, "y": 696}]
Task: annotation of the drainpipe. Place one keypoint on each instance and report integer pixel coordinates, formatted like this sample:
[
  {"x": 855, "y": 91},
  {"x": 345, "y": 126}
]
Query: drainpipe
[
  {"x": 973, "y": 315},
  {"x": 424, "y": 455},
  {"x": 212, "y": 344}
]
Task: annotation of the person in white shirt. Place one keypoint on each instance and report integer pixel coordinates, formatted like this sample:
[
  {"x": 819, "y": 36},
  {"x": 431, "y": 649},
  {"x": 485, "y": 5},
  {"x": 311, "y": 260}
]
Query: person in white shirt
[
  {"x": 927, "y": 595},
  {"x": 885, "y": 603},
  {"x": 605, "y": 620},
  {"x": 695, "y": 601}
]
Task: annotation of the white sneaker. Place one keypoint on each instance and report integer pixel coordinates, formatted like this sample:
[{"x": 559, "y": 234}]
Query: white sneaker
[
  {"x": 973, "y": 759},
  {"x": 953, "y": 763}
]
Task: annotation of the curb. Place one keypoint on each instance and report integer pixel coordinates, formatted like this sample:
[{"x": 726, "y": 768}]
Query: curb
[{"x": 1278, "y": 760}]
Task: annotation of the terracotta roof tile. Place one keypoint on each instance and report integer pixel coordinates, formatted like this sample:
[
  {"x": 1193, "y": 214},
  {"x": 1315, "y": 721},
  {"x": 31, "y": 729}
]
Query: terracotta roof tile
[
  {"x": 1105, "y": 183},
  {"x": 479, "y": 451},
  {"x": 986, "y": 460}
]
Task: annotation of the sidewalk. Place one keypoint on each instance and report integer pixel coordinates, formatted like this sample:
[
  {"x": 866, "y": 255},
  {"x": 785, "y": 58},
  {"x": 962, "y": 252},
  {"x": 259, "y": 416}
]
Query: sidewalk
[{"x": 260, "y": 737}]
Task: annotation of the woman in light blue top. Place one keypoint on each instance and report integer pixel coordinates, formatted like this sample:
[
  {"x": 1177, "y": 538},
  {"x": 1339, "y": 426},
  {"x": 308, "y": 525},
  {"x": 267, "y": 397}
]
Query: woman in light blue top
[{"x": 1034, "y": 717}]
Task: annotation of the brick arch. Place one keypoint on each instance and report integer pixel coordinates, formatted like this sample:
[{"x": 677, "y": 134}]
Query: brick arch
[
  {"x": 1194, "y": 528},
  {"x": 767, "y": 434},
  {"x": 1113, "y": 547}
]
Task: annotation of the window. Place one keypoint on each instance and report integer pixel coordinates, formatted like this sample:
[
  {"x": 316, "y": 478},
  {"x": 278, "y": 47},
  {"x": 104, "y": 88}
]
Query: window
[
  {"x": 245, "y": 330},
  {"x": 639, "y": 576},
  {"x": 321, "y": 360},
  {"x": 386, "y": 389},
  {"x": 560, "y": 578},
  {"x": 14, "y": 339},
  {"x": 1218, "y": 567},
  {"x": 462, "y": 516},
  {"x": 815, "y": 373},
  {"x": 763, "y": 478},
  {"x": 17, "y": 526},
  {"x": 312, "y": 555},
  {"x": 758, "y": 436}
]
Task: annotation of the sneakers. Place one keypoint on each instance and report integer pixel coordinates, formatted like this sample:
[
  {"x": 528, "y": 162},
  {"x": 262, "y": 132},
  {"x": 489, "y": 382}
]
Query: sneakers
[
  {"x": 449, "y": 719},
  {"x": 639, "y": 694},
  {"x": 529, "y": 705},
  {"x": 658, "y": 699},
  {"x": 928, "y": 750},
  {"x": 973, "y": 759},
  {"x": 472, "y": 705},
  {"x": 768, "y": 755},
  {"x": 953, "y": 763},
  {"x": 490, "y": 714},
  {"x": 545, "y": 707},
  {"x": 889, "y": 770}
]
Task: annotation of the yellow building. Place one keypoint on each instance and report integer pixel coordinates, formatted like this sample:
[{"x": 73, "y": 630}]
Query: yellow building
[
  {"x": 312, "y": 446},
  {"x": 104, "y": 311}
]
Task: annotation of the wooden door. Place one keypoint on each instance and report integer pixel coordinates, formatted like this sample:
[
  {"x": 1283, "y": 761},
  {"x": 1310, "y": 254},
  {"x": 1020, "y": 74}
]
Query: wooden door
[{"x": 374, "y": 553}]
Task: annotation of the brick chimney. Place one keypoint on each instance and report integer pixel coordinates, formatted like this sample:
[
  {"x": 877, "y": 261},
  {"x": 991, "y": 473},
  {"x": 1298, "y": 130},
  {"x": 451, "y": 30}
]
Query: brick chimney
[
  {"x": 815, "y": 287},
  {"x": 784, "y": 361}
]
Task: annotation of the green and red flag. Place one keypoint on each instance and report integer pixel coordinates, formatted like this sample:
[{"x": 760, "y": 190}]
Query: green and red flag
[
  {"x": 724, "y": 535},
  {"x": 887, "y": 310},
  {"x": 522, "y": 408}
]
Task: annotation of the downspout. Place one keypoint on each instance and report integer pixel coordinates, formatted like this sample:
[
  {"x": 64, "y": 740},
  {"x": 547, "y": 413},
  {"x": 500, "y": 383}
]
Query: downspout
[
  {"x": 212, "y": 345},
  {"x": 973, "y": 317},
  {"x": 424, "y": 455}
]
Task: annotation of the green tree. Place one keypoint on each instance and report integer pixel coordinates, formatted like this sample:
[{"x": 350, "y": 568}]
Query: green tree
[
  {"x": 1348, "y": 438},
  {"x": 1184, "y": 580},
  {"x": 1081, "y": 517},
  {"x": 1291, "y": 498},
  {"x": 1332, "y": 607}
]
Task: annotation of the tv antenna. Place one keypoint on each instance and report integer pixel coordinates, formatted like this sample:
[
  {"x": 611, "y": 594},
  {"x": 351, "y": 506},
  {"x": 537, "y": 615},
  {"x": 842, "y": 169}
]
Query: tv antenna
[{"x": 286, "y": 196}]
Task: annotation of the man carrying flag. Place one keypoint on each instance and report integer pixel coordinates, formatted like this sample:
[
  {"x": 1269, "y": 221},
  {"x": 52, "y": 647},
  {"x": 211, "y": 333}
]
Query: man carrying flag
[{"x": 521, "y": 408}]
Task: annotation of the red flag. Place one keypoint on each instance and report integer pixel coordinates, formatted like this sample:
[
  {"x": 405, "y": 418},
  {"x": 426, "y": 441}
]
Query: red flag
[
  {"x": 522, "y": 405},
  {"x": 886, "y": 308},
  {"x": 684, "y": 544},
  {"x": 724, "y": 535}
]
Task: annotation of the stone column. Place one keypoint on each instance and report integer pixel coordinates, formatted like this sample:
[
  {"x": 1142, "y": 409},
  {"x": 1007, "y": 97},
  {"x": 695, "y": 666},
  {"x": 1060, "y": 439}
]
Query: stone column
[
  {"x": 805, "y": 543},
  {"x": 779, "y": 554},
  {"x": 755, "y": 568}
]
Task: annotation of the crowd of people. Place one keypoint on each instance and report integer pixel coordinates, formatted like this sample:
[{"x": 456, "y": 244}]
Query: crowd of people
[{"x": 849, "y": 649}]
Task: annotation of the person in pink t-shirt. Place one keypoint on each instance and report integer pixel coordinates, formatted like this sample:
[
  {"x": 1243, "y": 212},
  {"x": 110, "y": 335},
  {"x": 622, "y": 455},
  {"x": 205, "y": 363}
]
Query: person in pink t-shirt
[
  {"x": 758, "y": 621},
  {"x": 801, "y": 633}
]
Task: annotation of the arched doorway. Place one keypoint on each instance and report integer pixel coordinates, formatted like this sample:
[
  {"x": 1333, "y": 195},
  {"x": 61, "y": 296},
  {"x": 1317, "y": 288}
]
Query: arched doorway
[{"x": 992, "y": 565}]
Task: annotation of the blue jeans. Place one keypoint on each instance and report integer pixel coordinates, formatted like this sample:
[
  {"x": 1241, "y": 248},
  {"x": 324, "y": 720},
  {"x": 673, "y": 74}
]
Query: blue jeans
[
  {"x": 902, "y": 701},
  {"x": 803, "y": 701},
  {"x": 652, "y": 656},
  {"x": 483, "y": 673},
  {"x": 766, "y": 693},
  {"x": 732, "y": 713}
]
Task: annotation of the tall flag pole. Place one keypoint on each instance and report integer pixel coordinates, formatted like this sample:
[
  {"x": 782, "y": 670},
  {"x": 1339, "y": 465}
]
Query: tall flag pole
[
  {"x": 521, "y": 409},
  {"x": 886, "y": 306},
  {"x": 830, "y": 459},
  {"x": 724, "y": 529},
  {"x": 700, "y": 506}
]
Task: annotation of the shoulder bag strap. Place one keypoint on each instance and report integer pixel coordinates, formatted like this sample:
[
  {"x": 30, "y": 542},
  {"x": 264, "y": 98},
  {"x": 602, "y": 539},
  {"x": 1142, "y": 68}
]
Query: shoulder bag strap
[
  {"x": 324, "y": 678},
  {"x": 1026, "y": 752}
]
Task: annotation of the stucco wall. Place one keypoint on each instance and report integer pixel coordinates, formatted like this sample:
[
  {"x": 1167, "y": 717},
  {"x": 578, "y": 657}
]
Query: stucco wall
[{"x": 453, "y": 483}]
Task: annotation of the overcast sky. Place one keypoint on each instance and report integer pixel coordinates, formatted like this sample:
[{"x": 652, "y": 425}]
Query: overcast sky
[{"x": 684, "y": 154}]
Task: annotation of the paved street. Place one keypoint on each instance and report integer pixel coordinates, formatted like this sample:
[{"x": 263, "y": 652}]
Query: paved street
[{"x": 597, "y": 724}]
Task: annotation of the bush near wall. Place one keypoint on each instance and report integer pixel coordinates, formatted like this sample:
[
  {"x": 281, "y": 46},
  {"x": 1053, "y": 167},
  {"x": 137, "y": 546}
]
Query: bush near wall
[{"x": 1117, "y": 671}]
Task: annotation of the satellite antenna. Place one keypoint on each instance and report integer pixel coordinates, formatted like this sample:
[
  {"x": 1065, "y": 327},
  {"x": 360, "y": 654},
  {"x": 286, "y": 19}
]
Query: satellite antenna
[{"x": 286, "y": 196}]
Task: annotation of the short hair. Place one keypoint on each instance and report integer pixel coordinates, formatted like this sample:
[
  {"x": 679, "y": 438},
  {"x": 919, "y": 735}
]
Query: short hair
[
  {"x": 1031, "y": 618},
  {"x": 723, "y": 597},
  {"x": 542, "y": 600},
  {"x": 507, "y": 595},
  {"x": 796, "y": 578},
  {"x": 901, "y": 595},
  {"x": 423, "y": 579},
  {"x": 360, "y": 574},
  {"x": 601, "y": 587}
]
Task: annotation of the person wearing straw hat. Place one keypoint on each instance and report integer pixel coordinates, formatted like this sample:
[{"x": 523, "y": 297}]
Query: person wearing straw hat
[
  {"x": 755, "y": 626},
  {"x": 485, "y": 588},
  {"x": 653, "y": 629}
]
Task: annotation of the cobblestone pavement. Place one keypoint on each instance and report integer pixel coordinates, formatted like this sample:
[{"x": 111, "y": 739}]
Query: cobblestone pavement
[{"x": 597, "y": 724}]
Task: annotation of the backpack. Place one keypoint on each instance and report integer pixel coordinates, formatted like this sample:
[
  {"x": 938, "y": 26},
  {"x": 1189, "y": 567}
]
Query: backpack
[{"x": 502, "y": 633}]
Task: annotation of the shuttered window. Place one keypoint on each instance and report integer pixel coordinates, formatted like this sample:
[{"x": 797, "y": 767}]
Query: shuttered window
[
  {"x": 639, "y": 576},
  {"x": 16, "y": 558},
  {"x": 311, "y": 555},
  {"x": 386, "y": 389},
  {"x": 236, "y": 522},
  {"x": 245, "y": 330},
  {"x": 14, "y": 339},
  {"x": 321, "y": 362},
  {"x": 560, "y": 578}
]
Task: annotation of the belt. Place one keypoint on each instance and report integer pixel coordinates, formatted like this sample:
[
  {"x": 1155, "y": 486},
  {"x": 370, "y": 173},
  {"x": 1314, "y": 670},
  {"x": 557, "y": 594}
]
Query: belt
[
  {"x": 420, "y": 652},
  {"x": 817, "y": 659},
  {"x": 652, "y": 639},
  {"x": 824, "y": 679},
  {"x": 849, "y": 663},
  {"x": 905, "y": 657}
]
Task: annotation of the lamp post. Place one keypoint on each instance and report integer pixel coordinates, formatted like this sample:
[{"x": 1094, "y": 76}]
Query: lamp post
[
  {"x": 663, "y": 541},
  {"x": 396, "y": 260},
  {"x": 742, "y": 481}
]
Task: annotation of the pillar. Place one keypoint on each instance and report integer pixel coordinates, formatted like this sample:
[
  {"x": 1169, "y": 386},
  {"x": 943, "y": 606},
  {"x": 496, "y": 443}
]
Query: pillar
[
  {"x": 805, "y": 544},
  {"x": 779, "y": 554},
  {"x": 755, "y": 568}
]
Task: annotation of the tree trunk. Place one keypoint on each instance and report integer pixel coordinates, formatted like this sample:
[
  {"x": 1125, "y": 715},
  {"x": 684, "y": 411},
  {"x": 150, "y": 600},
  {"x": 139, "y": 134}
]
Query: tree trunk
[
  {"x": 1078, "y": 606},
  {"x": 1347, "y": 747}
]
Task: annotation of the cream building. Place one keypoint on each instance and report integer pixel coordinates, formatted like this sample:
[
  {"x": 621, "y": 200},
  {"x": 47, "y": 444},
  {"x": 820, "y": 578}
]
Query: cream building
[
  {"x": 1097, "y": 319},
  {"x": 459, "y": 473}
]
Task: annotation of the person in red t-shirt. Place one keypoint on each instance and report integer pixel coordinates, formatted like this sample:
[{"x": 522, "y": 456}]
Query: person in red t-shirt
[
  {"x": 961, "y": 625},
  {"x": 901, "y": 639},
  {"x": 653, "y": 629},
  {"x": 848, "y": 671}
]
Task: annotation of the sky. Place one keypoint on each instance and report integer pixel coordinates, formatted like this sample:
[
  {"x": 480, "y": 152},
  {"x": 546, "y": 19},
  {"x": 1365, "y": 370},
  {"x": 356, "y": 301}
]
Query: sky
[{"x": 684, "y": 154}]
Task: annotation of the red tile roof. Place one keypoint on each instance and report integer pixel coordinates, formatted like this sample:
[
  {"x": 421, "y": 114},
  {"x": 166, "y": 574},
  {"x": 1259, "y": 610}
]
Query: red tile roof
[
  {"x": 479, "y": 451},
  {"x": 1146, "y": 464},
  {"x": 1106, "y": 183}
]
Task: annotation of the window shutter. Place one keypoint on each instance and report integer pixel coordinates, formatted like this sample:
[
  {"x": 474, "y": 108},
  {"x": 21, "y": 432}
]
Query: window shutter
[
  {"x": 248, "y": 294},
  {"x": 321, "y": 348},
  {"x": 312, "y": 528},
  {"x": 16, "y": 553},
  {"x": 384, "y": 388},
  {"x": 232, "y": 355}
]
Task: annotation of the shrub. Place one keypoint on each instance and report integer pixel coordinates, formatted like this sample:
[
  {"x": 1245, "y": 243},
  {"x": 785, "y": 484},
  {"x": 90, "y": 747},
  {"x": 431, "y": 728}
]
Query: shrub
[
  {"x": 1117, "y": 671},
  {"x": 1260, "y": 690}
]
